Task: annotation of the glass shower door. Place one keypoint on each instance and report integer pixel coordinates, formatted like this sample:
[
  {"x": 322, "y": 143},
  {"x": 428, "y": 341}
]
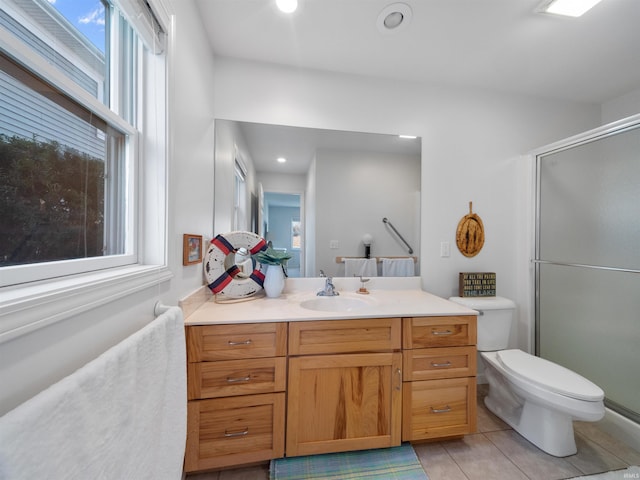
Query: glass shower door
[{"x": 588, "y": 263}]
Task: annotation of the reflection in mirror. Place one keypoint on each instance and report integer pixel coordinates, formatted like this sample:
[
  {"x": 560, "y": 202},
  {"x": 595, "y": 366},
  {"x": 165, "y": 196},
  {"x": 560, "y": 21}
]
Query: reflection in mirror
[
  {"x": 333, "y": 189},
  {"x": 241, "y": 259},
  {"x": 282, "y": 227}
]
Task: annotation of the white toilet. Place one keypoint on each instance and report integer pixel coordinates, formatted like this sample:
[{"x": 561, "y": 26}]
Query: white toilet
[{"x": 536, "y": 397}]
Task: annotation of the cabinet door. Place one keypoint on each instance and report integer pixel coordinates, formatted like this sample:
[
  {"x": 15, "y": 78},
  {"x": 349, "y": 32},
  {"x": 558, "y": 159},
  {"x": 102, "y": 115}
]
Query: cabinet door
[{"x": 343, "y": 402}]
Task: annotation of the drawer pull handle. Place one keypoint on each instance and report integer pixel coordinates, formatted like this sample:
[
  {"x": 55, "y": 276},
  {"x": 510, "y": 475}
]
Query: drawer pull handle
[
  {"x": 241, "y": 433},
  {"x": 441, "y": 332},
  {"x": 399, "y": 374},
  {"x": 441, "y": 410},
  {"x": 235, "y": 344},
  {"x": 239, "y": 379},
  {"x": 441, "y": 365}
]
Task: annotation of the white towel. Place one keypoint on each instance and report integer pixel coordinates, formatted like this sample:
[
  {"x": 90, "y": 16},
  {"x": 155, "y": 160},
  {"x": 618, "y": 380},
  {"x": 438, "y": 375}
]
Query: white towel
[
  {"x": 360, "y": 267},
  {"x": 120, "y": 416},
  {"x": 398, "y": 267}
]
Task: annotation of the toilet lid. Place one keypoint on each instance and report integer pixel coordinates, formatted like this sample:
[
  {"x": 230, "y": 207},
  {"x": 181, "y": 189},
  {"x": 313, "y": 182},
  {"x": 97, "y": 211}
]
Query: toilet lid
[{"x": 549, "y": 375}]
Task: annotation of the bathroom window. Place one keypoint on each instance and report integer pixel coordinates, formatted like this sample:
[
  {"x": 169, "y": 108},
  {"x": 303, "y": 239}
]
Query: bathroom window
[{"x": 74, "y": 76}]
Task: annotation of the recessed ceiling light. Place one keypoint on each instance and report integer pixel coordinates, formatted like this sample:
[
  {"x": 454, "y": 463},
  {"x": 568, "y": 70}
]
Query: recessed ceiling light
[
  {"x": 569, "y": 8},
  {"x": 282, "y": 160},
  {"x": 394, "y": 18},
  {"x": 287, "y": 6}
]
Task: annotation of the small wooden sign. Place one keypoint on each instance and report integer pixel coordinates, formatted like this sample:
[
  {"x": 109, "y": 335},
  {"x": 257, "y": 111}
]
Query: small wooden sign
[{"x": 477, "y": 284}]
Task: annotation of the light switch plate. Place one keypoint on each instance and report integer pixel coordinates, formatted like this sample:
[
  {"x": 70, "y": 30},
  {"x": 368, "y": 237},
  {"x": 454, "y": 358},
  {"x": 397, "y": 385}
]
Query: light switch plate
[{"x": 445, "y": 249}]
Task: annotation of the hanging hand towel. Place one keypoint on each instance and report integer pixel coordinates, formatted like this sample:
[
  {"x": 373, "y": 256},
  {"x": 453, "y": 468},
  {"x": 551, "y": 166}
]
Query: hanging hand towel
[
  {"x": 398, "y": 267},
  {"x": 360, "y": 267}
]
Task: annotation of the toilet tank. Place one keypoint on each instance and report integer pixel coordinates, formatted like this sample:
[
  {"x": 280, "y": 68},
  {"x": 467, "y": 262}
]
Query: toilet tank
[{"x": 495, "y": 317}]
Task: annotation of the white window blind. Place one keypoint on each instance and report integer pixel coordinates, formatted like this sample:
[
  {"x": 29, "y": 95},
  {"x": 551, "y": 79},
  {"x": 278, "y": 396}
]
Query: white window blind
[{"x": 140, "y": 15}]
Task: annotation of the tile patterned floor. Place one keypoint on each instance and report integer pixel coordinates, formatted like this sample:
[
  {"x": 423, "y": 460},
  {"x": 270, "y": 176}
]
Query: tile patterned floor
[{"x": 496, "y": 452}]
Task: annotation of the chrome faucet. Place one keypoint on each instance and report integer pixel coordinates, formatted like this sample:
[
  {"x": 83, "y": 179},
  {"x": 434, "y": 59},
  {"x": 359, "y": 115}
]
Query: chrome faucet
[{"x": 328, "y": 290}]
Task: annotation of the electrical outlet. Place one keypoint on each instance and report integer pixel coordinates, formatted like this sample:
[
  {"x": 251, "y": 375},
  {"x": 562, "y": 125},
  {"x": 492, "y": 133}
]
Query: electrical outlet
[
  {"x": 334, "y": 244},
  {"x": 445, "y": 249}
]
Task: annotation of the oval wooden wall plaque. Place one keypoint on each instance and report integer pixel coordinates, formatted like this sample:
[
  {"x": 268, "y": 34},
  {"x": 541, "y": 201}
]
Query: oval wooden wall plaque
[{"x": 470, "y": 234}]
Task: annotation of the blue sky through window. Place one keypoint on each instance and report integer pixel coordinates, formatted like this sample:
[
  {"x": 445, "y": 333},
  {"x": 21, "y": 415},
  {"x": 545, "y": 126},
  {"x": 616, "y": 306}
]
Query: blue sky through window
[{"x": 88, "y": 16}]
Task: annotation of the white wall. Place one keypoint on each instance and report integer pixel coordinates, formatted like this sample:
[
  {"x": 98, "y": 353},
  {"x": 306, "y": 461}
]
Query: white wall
[
  {"x": 355, "y": 190},
  {"x": 621, "y": 107},
  {"x": 229, "y": 144},
  {"x": 310, "y": 209},
  {"x": 192, "y": 132},
  {"x": 282, "y": 183}
]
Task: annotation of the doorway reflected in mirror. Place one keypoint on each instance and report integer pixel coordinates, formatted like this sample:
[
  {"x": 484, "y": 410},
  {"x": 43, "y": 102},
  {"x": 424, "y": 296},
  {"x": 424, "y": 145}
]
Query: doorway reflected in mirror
[{"x": 283, "y": 227}]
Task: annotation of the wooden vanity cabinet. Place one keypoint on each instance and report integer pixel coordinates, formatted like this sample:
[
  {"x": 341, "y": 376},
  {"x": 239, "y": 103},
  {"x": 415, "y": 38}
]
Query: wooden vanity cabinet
[
  {"x": 439, "y": 377},
  {"x": 345, "y": 382},
  {"x": 350, "y": 384},
  {"x": 236, "y": 382}
]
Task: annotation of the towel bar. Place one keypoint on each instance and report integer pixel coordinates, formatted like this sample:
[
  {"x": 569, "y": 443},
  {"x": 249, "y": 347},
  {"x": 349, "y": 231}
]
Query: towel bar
[
  {"x": 378, "y": 259},
  {"x": 159, "y": 308}
]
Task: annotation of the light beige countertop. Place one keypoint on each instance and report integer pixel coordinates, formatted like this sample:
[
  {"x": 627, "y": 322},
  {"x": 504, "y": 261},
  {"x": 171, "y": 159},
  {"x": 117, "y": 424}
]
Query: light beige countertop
[{"x": 388, "y": 297}]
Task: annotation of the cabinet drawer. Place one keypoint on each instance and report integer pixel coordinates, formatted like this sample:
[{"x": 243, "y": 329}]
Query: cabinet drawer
[
  {"x": 236, "y": 377},
  {"x": 228, "y": 342},
  {"x": 233, "y": 431},
  {"x": 443, "y": 362},
  {"x": 438, "y": 408},
  {"x": 424, "y": 332},
  {"x": 344, "y": 336}
]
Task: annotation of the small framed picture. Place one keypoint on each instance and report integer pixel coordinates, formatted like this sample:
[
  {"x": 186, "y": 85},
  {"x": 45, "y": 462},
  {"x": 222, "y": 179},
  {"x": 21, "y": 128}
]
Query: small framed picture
[{"x": 191, "y": 249}]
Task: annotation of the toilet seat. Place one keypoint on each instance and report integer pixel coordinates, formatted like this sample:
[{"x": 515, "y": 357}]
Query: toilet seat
[{"x": 549, "y": 375}]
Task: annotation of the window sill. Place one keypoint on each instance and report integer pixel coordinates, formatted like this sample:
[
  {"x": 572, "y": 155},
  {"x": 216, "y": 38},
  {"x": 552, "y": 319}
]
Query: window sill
[{"x": 26, "y": 308}]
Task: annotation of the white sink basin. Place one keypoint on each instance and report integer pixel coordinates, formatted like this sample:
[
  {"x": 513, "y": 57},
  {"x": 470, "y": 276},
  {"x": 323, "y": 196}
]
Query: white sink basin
[{"x": 334, "y": 304}]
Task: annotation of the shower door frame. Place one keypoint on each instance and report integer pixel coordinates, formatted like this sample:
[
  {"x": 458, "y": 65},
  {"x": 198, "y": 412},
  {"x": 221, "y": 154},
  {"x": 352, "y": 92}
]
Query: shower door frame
[{"x": 622, "y": 126}]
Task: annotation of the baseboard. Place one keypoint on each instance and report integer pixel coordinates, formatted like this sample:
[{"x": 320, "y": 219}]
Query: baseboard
[{"x": 621, "y": 428}]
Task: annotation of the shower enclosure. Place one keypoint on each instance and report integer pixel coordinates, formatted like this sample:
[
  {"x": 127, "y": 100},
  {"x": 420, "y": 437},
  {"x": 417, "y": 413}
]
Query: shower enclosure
[{"x": 587, "y": 261}]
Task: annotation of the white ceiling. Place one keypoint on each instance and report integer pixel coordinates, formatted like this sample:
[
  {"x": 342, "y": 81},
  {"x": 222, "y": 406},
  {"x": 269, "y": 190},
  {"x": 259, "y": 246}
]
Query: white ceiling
[
  {"x": 495, "y": 44},
  {"x": 298, "y": 145}
]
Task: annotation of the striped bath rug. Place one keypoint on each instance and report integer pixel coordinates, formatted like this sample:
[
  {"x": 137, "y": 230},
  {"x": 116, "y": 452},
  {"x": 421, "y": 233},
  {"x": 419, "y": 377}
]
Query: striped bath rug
[{"x": 395, "y": 463}]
